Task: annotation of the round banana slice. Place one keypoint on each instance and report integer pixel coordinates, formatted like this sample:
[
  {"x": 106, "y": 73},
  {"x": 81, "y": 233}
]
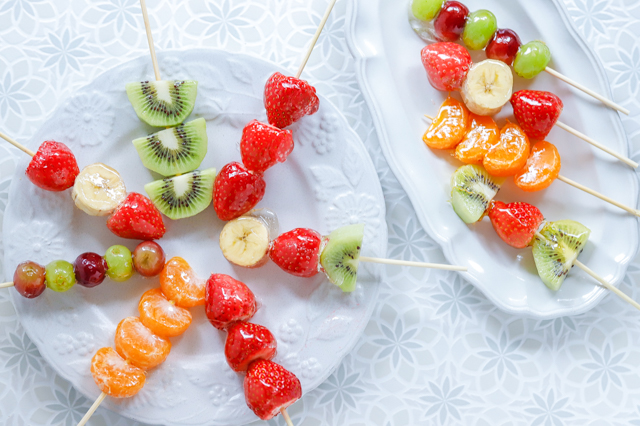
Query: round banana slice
[
  {"x": 98, "y": 190},
  {"x": 488, "y": 87},
  {"x": 245, "y": 241}
]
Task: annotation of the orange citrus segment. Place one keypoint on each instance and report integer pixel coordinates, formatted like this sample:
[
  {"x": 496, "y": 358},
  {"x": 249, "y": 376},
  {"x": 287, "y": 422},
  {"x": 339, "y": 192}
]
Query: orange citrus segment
[
  {"x": 510, "y": 154},
  {"x": 115, "y": 376},
  {"x": 161, "y": 316},
  {"x": 483, "y": 133},
  {"x": 541, "y": 169},
  {"x": 181, "y": 285},
  {"x": 138, "y": 345},
  {"x": 449, "y": 127}
]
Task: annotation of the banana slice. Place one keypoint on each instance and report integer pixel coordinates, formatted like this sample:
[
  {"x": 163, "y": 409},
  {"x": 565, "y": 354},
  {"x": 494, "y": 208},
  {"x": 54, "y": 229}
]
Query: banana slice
[
  {"x": 488, "y": 87},
  {"x": 245, "y": 241},
  {"x": 98, "y": 190}
]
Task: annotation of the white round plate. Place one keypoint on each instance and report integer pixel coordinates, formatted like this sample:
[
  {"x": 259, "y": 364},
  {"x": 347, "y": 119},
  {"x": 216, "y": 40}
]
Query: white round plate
[
  {"x": 398, "y": 93},
  {"x": 327, "y": 181}
]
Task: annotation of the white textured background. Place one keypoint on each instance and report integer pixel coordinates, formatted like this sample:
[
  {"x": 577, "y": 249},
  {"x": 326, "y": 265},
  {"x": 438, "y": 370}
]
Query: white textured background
[{"x": 436, "y": 351}]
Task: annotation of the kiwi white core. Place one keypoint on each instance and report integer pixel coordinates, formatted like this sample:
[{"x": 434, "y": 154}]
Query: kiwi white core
[
  {"x": 182, "y": 184},
  {"x": 163, "y": 91},
  {"x": 169, "y": 139}
]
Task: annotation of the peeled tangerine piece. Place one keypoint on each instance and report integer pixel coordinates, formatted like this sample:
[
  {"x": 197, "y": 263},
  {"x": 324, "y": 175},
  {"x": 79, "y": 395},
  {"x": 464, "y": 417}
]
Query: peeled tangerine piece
[
  {"x": 542, "y": 168},
  {"x": 162, "y": 316},
  {"x": 114, "y": 375},
  {"x": 510, "y": 154},
  {"x": 483, "y": 134},
  {"x": 139, "y": 346},
  {"x": 98, "y": 190},
  {"x": 472, "y": 190},
  {"x": 488, "y": 86},
  {"x": 181, "y": 285},
  {"x": 245, "y": 241},
  {"x": 163, "y": 103},
  {"x": 560, "y": 246},
  {"x": 340, "y": 256},
  {"x": 449, "y": 127}
]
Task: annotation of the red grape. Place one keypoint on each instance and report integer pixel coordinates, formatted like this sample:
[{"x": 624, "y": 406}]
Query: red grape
[
  {"x": 449, "y": 23},
  {"x": 29, "y": 279},
  {"x": 503, "y": 46},
  {"x": 90, "y": 269},
  {"x": 148, "y": 259}
]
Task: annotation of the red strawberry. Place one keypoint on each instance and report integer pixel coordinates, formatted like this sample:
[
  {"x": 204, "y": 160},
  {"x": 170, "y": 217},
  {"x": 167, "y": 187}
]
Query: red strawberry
[
  {"x": 227, "y": 301},
  {"x": 288, "y": 99},
  {"x": 236, "y": 191},
  {"x": 246, "y": 343},
  {"x": 536, "y": 112},
  {"x": 515, "y": 223},
  {"x": 54, "y": 167},
  {"x": 137, "y": 218},
  {"x": 447, "y": 65},
  {"x": 297, "y": 252},
  {"x": 268, "y": 387},
  {"x": 263, "y": 145}
]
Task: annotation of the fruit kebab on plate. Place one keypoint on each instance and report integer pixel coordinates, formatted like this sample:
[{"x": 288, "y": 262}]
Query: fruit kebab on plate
[{"x": 448, "y": 21}]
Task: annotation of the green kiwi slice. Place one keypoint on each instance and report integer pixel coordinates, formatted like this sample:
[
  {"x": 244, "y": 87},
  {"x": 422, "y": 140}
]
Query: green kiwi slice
[
  {"x": 163, "y": 103},
  {"x": 557, "y": 249},
  {"x": 174, "y": 151},
  {"x": 183, "y": 196},
  {"x": 472, "y": 189},
  {"x": 341, "y": 254}
]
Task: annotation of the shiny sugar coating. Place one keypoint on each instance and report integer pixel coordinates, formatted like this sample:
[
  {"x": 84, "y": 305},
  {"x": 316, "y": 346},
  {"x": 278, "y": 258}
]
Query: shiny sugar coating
[
  {"x": 541, "y": 169},
  {"x": 447, "y": 65},
  {"x": 114, "y": 375},
  {"x": 59, "y": 276},
  {"x": 139, "y": 345},
  {"x": 53, "y": 167},
  {"x": 268, "y": 387},
  {"x": 29, "y": 279},
  {"x": 148, "y": 259},
  {"x": 181, "y": 285},
  {"x": 161, "y": 316},
  {"x": 288, "y": 99},
  {"x": 90, "y": 269},
  {"x": 228, "y": 301},
  {"x": 483, "y": 134},
  {"x": 503, "y": 46},
  {"x": 532, "y": 59},
  {"x": 119, "y": 263},
  {"x": 247, "y": 342},
  {"x": 449, "y": 127},
  {"x": 510, "y": 154},
  {"x": 450, "y": 22},
  {"x": 297, "y": 252}
]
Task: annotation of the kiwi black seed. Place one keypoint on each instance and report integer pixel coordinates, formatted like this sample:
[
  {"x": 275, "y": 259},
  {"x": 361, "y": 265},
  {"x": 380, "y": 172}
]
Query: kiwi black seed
[
  {"x": 163, "y": 103},
  {"x": 183, "y": 196},
  {"x": 340, "y": 256}
]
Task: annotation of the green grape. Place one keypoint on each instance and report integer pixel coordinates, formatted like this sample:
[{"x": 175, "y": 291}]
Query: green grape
[
  {"x": 59, "y": 275},
  {"x": 480, "y": 27},
  {"x": 426, "y": 10},
  {"x": 119, "y": 263},
  {"x": 532, "y": 59}
]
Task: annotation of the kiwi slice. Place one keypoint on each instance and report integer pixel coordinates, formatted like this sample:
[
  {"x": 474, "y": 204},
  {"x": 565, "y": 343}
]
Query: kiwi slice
[
  {"x": 557, "y": 249},
  {"x": 472, "y": 189},
  {"x": 340, "y": 255},
  {"x": 183, "y": 196},
  {"x": 176, "y": 150},
  {"x": 163, "y": 103}
]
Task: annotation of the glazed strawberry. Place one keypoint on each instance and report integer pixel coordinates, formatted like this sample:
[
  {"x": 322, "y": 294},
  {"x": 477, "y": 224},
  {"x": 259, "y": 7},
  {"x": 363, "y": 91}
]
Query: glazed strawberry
[
  {"x": 288, "y": 99},
  {"x": 536, "y": 112},
  {"x": 137, "y": 218},
  {"x": 297, "y": 252},
  {"x": 268, "y": 387},
  {"x": 227, "y": 301},
  {"x": 263, "y": 145},
  {"x": 54, "y": 167},
  {"x": 246, "y": 343},
  {"x": 515, "y": 223},
  {"x": 447, "y": 65},
  {"x": 236, "y": 190}
]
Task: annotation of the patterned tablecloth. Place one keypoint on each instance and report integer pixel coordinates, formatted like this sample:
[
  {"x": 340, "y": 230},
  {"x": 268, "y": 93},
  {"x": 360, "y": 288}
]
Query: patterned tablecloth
[{"x": 436, "y": 351}]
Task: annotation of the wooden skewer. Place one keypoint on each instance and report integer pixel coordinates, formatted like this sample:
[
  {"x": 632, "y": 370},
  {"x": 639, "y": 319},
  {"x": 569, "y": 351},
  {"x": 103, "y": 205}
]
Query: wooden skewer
[
  {"x": 5, "y": 285},
  {"x": 315, "y": 37},
  {"x": 93, "y": 408},
  {"x": 147, "y": 26},
  {"x": 17, "y": 145},
  {"x": 409, "y": 263},
  {"x": 606, "y": 284},
  {"x": 286, "y": 417},
  {"x": 599, "y": 195},
  {"x": 588, "y": 91}
]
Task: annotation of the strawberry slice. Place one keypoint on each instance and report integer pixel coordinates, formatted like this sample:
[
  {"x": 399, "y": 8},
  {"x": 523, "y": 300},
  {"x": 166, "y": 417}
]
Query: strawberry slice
[
  {"x": 515, "y": 223},
  {"x": 536, "y": 111},
  {"x": 263, "y": 145},
  {"x": 297, "y": 252},
  {"x": 246, "y": 343},
  {"x": 54, "y": 167},
  {"x": 227, "y": 301},
  {"x": 268, "y": 387},
  {"x": 288, "y": 99},
  {"x": 137, "y": 218},
  {"x": 236, "y": 190},
  {"x": 447, "y": 65}
]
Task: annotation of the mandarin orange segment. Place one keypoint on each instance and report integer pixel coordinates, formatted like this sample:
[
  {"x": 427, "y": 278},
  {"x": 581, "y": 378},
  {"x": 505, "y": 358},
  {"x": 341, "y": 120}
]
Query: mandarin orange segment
[
  {"x": 541, "y": 169},
  {"x": 510, "y": 154},
  {"x": 115, "y": 376},
  {"x": 483, "y": 133},
  {"x": 161, "y": 316},
  {"x": 138, "y": 345},
  {"x": 181, "y": 285},
  {"x": 449, "y": 127}
]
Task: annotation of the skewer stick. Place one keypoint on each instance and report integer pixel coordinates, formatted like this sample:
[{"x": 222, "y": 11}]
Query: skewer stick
[
  {"x": 599, "y": 195},
  {"x": 5, "y": 285},
  {"x": 93, "y": 408},
  {"x": 418, "y": 264},
  {"x": 147, "y": 26},
  {"x": 588, "y": 91},
  {"x": 286, "y": 417},
  {"x": 16, "y": 144},
  {"x": 597, "y": 144},
  {"x": 607, "y": 285},
  {"x": 315, "y": 37}
]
